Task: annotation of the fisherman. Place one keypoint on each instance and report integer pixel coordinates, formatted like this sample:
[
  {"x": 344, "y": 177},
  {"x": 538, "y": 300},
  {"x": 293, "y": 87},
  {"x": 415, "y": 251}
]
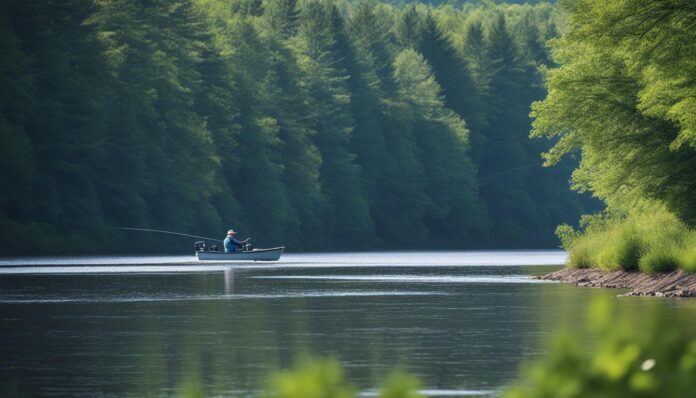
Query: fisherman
[{"x": 233, "y": 244}]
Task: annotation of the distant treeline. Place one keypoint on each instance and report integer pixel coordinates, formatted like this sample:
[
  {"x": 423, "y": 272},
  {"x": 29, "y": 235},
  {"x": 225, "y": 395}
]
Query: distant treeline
[{"x": 317, "y": 125}]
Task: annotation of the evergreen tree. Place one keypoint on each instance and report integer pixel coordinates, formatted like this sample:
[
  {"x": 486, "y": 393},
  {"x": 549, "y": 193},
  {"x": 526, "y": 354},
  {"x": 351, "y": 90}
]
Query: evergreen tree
[
  {"x": 283, "y": 17},
  {"x": 382, "y": 139},
  {"x": 474, "y": 49},
  {"x": 170, "y": 146},
  {"x": 311, "y": 127},
  {"x": 17, "y": 163},
  {"x": 348, "y": 221},
  {"x": 505, "y": 158},
  {"x": 64, "y": 124},
  {"x": 258, "y": 180},
  {"x": 408, "y": 27},
  {"x": 451, "y": 72},
  {"x": 452, "y": 208},
  {"x": 289, "y": 103},
  {"x": 217, "y": 102}
]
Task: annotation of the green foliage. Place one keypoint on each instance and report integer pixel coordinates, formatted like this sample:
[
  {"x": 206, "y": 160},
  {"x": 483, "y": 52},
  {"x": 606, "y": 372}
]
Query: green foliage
[
  {"x": 606, "y": 357},
  {"x": 583, "y": 253},
  {"x": 622, "y": 249},
  {"x": 311, "y": 124},
  {"x": 661, "y": 258},
  {"x": 652, "y": 241},
  {"x": 623, "y": 96},
  {"x": 314, "y": 378},
  {"x": 687, "y": 261},
  {"x": 566, "y": 234},
  {"x": 400, "y": 385},
  {"x": 623, "y": 362}
]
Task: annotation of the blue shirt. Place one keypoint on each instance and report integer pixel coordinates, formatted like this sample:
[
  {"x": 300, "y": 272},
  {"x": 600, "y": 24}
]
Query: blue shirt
[{"x": 231, "y": 244}]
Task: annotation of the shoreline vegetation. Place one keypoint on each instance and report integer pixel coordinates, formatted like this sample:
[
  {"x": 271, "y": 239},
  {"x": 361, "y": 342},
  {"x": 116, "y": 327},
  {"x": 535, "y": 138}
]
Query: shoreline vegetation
[
  {"x": 623, "y": 98},
  {"x": 651, "y": 241},
  {"x": 651, "y": 253}
]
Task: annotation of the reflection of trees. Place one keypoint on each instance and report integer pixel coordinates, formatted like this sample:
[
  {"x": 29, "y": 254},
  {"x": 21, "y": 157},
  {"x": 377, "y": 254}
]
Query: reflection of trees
[
  {"x": 564, "y": 307},
  {"x": 231, "y": 344},
  {"x": 468, "y": 336}
]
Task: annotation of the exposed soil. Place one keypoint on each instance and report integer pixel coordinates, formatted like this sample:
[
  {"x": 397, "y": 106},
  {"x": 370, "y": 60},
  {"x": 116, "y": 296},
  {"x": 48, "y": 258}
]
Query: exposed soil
[{"x": 673, "y": 284}]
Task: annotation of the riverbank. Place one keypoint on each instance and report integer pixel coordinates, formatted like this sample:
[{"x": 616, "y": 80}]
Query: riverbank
[{"x": 673, "y": 284}]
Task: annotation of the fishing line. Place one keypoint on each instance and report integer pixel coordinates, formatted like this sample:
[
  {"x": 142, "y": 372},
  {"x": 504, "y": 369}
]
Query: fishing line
[
  {"x": 166, "y": 232},
  {"x": 507, "y": 171}
]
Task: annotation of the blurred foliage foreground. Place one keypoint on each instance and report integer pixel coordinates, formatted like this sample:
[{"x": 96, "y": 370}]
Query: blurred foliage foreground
[{"x": 610, "y": 358}]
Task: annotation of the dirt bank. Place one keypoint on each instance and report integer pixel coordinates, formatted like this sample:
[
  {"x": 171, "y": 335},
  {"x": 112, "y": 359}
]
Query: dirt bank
[{"x": 673, "y": 284}]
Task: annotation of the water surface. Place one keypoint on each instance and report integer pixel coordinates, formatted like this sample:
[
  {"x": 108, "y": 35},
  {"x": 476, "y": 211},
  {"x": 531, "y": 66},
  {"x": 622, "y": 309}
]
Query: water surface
[{"x": 146, "y": 326}]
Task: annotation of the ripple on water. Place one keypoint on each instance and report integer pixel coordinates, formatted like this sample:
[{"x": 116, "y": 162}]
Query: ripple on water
[
  {"x": 156, "y": 264},
  {"x": 410, "y": 278},
  {"x": 305, "y": 294}
]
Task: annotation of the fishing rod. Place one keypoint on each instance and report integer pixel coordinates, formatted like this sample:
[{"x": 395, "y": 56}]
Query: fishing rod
[{"x": 166, "y": 232}]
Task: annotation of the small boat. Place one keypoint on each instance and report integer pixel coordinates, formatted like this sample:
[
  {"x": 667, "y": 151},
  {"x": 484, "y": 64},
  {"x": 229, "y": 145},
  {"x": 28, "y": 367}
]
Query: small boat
[{"x": 272, "y": 254}]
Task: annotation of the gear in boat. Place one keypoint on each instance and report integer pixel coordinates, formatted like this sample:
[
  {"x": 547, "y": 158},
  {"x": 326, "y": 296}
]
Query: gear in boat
[{"x": 244, "y": 251}]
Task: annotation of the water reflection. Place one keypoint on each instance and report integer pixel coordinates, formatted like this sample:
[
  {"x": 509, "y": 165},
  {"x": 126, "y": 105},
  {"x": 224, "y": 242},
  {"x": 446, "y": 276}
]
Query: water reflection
[
  {"x": 229, "y": 281},
  {"x": 460, "y": 328}
]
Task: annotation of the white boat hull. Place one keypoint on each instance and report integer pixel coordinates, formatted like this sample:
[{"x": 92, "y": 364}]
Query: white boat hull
[{"x": 253, "y": 255}]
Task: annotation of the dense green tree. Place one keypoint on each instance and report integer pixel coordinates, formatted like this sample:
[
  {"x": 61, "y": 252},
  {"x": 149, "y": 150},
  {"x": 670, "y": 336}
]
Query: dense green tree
[
  {"x": 408, "y": 27},
  {"x": 283, "y": 17},
  {"x": 216, "y": 100},
  {"x": 383, "y": 137},
  {"x": 474, "y": 50},
  {"x": 520, "y": 195},
  {"x": 16, "y": 103},
  {"x": 158, "y": 137},
  {"x": 314, "y": 124},
  {"x": 289, "y": 104},
  {"x": 451, "y": 207},
  {"x": 451, "y": 72},
  {"x": 17, "y": 163},
  {"x": 504, "y": 157},
  {"x": 53, "y": 119},
  {"x": 348, "y": 222},
  {"x": 260, "y": 172},
  {"x": 624, "y": 96}
]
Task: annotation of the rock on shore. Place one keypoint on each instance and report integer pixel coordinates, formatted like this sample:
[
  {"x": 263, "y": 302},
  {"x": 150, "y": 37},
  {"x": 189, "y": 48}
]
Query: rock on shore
[{"x": 673, "y": 284}]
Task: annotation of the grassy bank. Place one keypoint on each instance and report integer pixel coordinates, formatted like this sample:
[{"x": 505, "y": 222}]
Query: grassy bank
[{"x": 650, "y": 241}]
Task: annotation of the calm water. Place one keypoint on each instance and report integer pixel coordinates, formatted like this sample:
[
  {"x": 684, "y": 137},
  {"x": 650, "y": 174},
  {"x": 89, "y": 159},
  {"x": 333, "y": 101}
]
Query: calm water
[{"x": 145, "y": 326}]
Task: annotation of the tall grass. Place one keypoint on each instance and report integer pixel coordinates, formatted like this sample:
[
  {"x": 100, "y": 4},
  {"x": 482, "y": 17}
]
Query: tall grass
[
  {"x": 687, "y": 261},
  {"x": 654, "y": 241},
  {"x": 660, "y": 258},
  {"x": 687, "y": 258},
  {"x": 622, "y": 248}
]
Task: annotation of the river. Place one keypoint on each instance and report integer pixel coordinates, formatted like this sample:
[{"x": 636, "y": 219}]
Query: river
[{"x": 463, "y": 322}]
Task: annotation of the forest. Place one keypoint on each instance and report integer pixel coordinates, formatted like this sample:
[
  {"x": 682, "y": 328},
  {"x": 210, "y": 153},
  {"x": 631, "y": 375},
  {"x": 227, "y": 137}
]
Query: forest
[{"x": 318, "y": 125}]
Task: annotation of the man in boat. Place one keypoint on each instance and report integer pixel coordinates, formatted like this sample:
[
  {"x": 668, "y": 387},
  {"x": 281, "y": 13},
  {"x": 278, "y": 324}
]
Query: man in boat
[{"x": 233, "y": 244}]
